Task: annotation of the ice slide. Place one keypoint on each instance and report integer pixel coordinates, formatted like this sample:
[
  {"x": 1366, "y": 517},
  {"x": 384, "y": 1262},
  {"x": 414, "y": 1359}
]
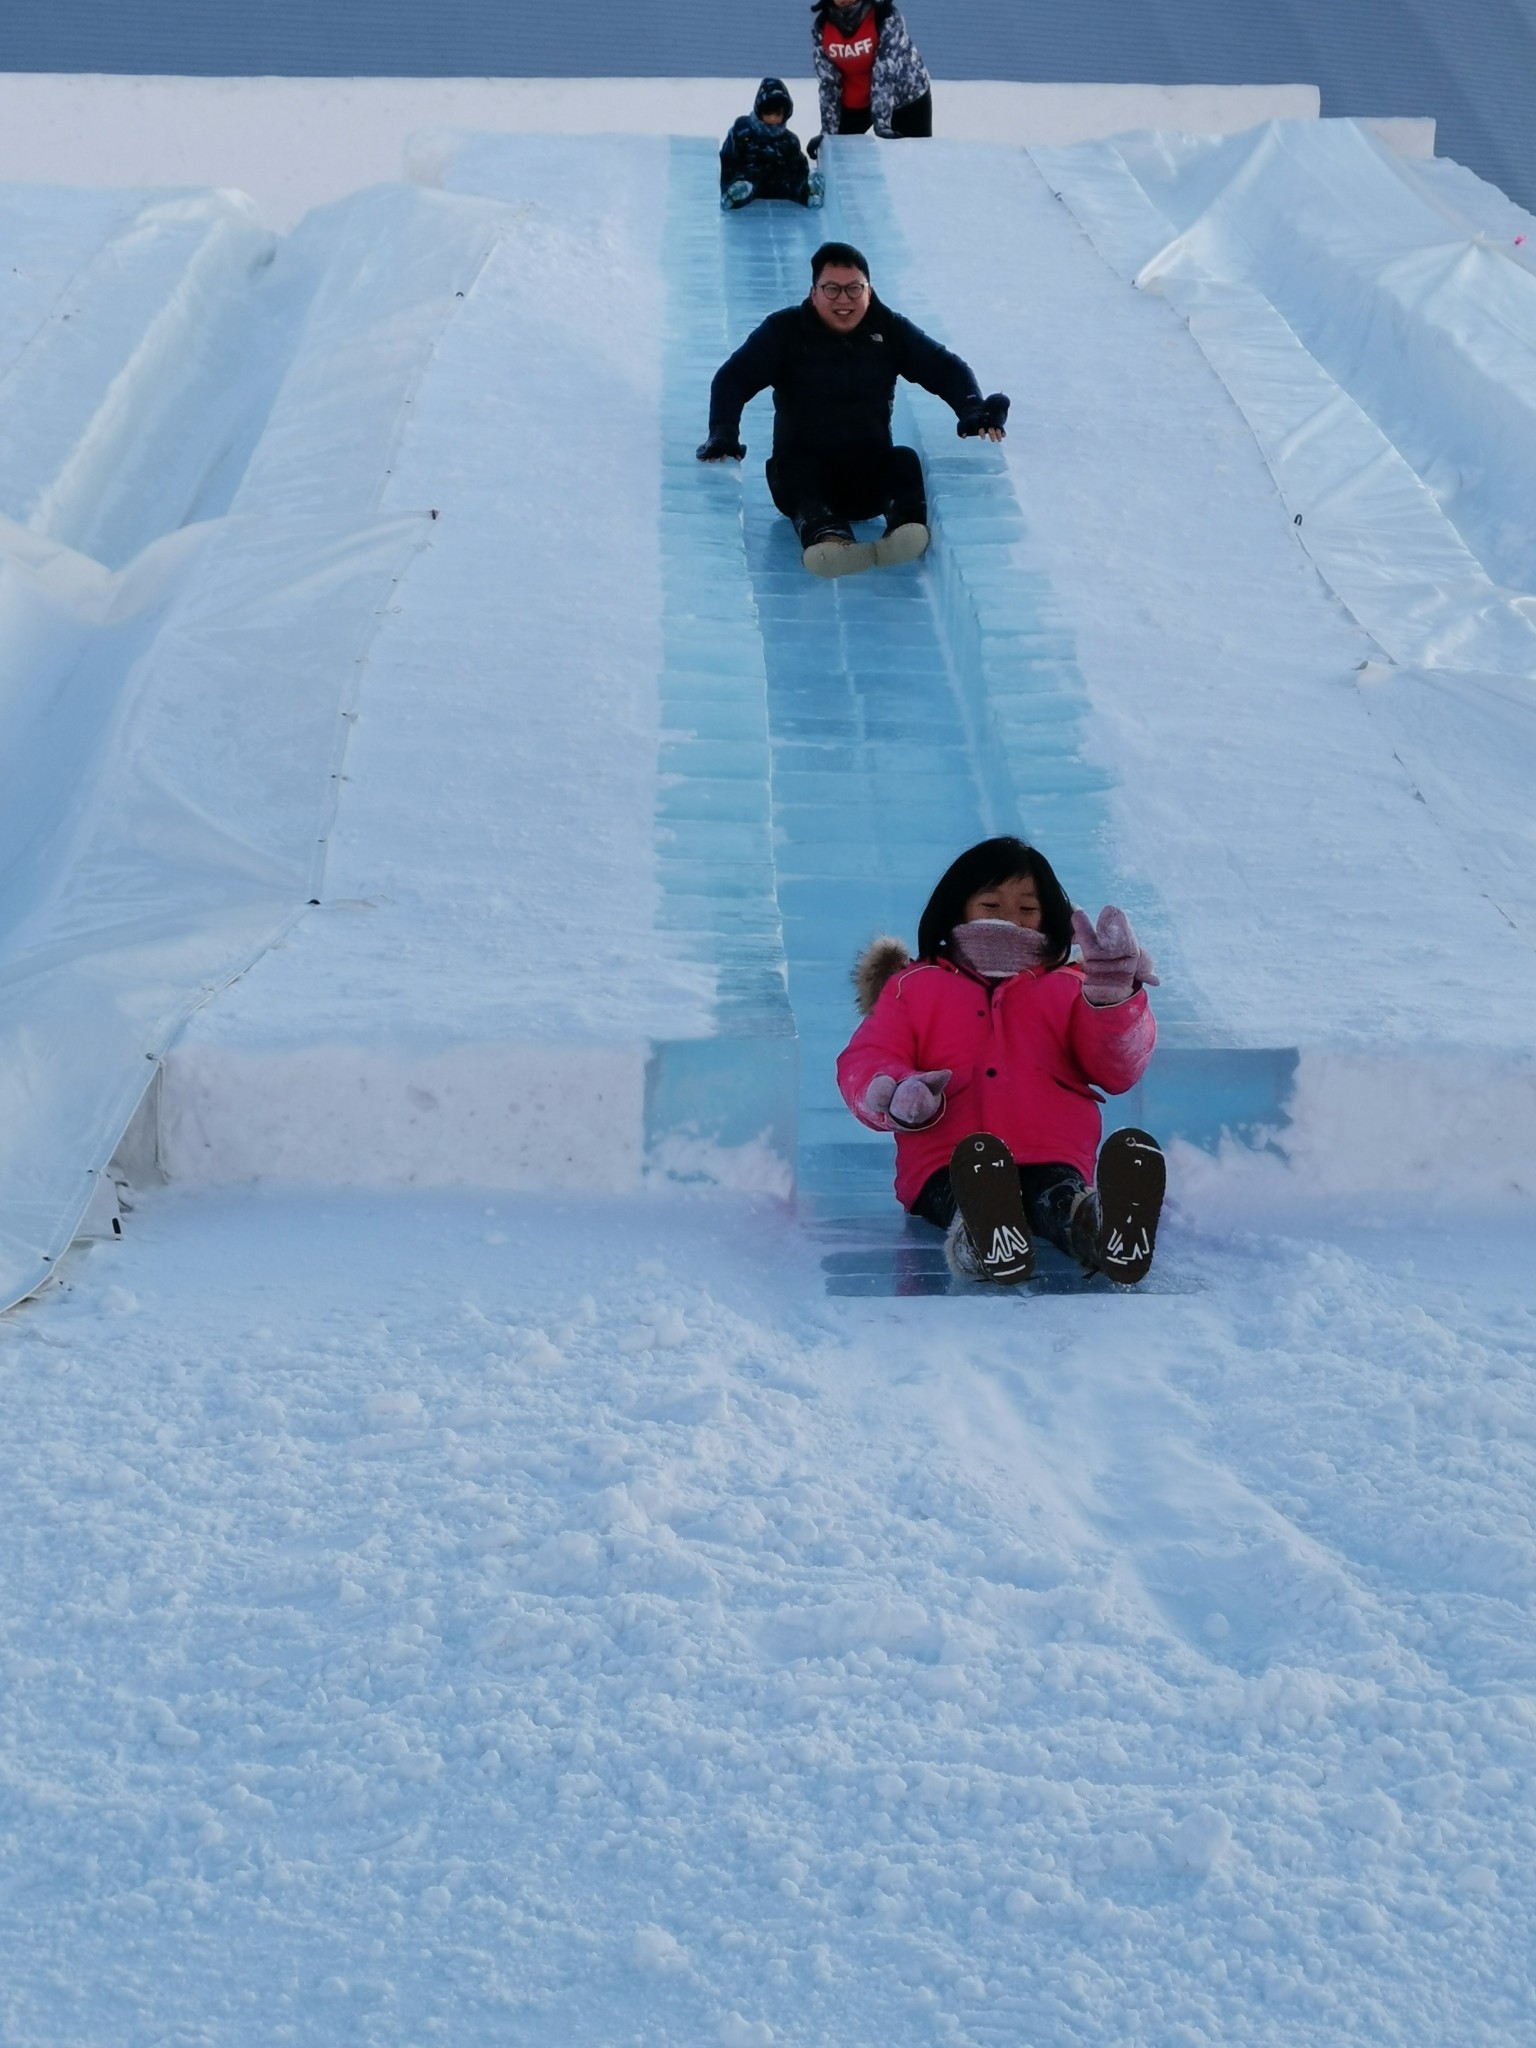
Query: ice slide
[
  {"x": 534, "y": 961},
  {"x": 909, "y": 715}
]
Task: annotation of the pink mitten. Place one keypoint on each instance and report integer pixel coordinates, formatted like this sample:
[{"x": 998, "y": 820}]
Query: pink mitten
[
  {"x": 1114, "y": 964},
  {"x": 876, "y": 1102},
  {"x": 919, "y": 1100}
]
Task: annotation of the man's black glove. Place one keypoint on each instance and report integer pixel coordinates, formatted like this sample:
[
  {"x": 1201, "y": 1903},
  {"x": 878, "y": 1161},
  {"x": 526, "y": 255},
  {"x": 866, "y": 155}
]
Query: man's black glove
[
  {"x": 719, "y": 447},
  {"x": 987, "y": 412},
  {"x": 813, "y": 148}
]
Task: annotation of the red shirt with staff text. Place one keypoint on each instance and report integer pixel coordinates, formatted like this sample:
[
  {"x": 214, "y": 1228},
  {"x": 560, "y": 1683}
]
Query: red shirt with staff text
[{"x": 854, "y": 57}]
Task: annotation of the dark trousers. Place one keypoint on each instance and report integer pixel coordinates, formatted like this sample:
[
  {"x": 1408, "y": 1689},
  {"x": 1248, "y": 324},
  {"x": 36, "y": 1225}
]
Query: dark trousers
[
  {"x": 816, "y": 491},
  {"x": 773, "y": 184},
  {"x": 915, "y": 118},
  {"x": 1049, "y": 1192}
]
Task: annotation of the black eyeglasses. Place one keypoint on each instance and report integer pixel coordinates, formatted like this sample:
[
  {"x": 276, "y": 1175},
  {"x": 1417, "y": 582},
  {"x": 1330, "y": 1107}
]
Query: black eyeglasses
[{"x": 856, "y": 290}]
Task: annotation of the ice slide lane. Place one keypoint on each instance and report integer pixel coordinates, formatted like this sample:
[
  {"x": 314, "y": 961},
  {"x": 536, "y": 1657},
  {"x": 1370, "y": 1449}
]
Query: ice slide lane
[{"x": 909, "y": 714}]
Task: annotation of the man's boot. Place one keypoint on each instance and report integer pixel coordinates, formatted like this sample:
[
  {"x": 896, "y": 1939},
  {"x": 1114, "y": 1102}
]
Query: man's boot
[
  {"x": 906, "y": 530},
  {"x": 828, "y": 548}
]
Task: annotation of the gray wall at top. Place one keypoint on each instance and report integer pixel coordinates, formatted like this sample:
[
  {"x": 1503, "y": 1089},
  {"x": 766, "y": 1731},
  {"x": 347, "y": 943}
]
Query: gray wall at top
[{"x": 1469, "y": 63}]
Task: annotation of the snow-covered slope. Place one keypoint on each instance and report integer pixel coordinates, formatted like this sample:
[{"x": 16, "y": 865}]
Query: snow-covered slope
[
  {"x": 548, "y": 1621},
  {"x": 588, "y": 778},
  {"x": 542, "y": 1617}
]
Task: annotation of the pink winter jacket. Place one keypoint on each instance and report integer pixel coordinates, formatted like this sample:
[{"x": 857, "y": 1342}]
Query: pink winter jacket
[{"x": 1026, "y": 1056}]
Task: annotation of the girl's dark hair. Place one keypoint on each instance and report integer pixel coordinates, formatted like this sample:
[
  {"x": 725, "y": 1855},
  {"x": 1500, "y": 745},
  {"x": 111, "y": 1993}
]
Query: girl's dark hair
[
  {"x": 842, "y": 254},
  {"x": 984, "y": 867}
]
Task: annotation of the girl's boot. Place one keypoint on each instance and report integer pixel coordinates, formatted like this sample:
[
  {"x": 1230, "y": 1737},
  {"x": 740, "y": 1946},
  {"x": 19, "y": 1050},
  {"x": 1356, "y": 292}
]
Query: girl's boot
[
  {"x": 1131, "y": 1177},
  {"x": 991, "y": 1209}
]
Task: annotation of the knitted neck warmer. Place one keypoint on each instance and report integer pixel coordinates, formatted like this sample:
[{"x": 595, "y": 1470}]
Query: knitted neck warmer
[
  {"x": 994, "y": 948},
  {"x": 846, "y": 19}
]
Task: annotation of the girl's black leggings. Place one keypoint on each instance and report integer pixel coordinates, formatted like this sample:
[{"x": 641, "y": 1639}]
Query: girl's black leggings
[{"x": 1049, "y": 1192}]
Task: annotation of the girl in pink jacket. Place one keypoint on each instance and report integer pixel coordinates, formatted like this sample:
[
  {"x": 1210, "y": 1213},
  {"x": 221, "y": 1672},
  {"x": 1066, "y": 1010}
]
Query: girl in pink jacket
[{"x": 995, "y": 1028}]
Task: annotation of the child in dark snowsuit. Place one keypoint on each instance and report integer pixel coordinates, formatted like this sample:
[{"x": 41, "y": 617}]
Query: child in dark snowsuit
[{"x": 762, "y": 159}]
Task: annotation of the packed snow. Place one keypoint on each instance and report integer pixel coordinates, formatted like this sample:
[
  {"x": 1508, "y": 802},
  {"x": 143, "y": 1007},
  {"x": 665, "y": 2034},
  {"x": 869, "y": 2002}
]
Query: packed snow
[
  {"x": 552, "y": 1621},
  {"x": 537, "y": 1604}
]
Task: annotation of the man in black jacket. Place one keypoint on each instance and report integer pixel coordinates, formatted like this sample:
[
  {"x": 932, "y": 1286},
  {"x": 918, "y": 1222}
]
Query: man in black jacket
[{"x": 833, "y": 362}]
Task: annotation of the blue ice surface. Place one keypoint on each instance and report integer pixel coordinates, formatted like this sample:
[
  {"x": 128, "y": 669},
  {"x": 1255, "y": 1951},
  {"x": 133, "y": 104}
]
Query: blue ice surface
[
  {"x": 715, "y": 842},
  {"x": 886, "y": 722}
]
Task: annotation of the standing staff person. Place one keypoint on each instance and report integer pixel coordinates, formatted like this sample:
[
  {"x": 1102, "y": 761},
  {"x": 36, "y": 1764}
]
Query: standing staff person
[{"x": 868, "y": 72}]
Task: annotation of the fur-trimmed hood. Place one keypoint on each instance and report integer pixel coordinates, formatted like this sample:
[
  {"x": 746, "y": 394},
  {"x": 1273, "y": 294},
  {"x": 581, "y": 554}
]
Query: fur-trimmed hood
[{"x": 880, "y": 959}]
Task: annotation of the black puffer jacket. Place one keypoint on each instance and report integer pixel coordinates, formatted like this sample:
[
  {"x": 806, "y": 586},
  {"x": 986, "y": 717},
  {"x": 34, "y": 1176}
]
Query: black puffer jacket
[
  {"x": 834, "y": 392},
  {"x": 770, "y": 157}
]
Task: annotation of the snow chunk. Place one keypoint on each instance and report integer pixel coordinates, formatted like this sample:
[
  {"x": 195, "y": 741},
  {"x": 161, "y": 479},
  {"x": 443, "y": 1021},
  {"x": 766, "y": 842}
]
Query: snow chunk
[
  {"x": 572, "y": 1563},
  {"x": 654, "y": 1949},
  {"x": 697, "y": 1405},
  {"x": 843, "y": 1626},
  {"x": 541, "y": 1354},
  {"x": 1368, "y": 1919},
  {"x": 1200, "y": 1840},
  {"x": 735, "y": 2032},
  {"x": 173, "y": 1735},
  {"x": 167, "y": 1730},
  {"x": 393, "y": 1410},
  {"x": 669, "y": 1328},
  {"x": 1375, "y": 1815}
]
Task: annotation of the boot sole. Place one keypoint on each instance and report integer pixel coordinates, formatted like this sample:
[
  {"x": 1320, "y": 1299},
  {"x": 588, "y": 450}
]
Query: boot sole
[
  {"x": 986, "y": 1185},
  {"x": 1132, "y": 1176},
  {"x": 839, "y": 557},
  {"x": 902, "y": 544}
]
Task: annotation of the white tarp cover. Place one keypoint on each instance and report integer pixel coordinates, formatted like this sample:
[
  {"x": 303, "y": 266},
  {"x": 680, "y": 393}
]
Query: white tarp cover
[
  {"x": 1381, "y": 343},
  {"x": 171, "y": 731},
  {"x": 1469, "y": 743},
  {"x": 120, "y": 362},
  {"x": 170, "y": 734}
]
